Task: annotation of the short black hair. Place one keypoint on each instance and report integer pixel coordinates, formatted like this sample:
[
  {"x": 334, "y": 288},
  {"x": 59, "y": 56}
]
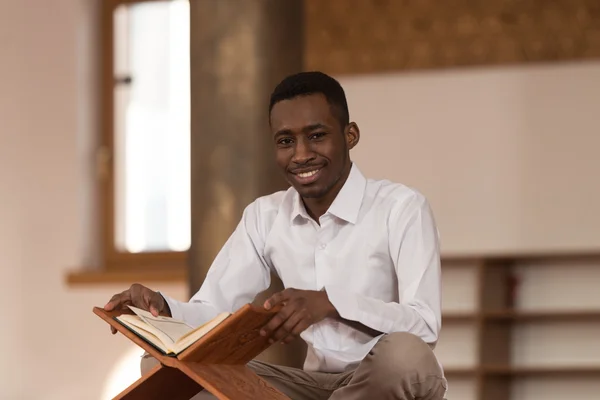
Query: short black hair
[{"x": 307, "y": 83}]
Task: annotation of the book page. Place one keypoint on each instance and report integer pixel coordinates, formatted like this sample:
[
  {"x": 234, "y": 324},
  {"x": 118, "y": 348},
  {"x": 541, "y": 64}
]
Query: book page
[
  {"x": 197, "y": 333},
  {"x": 135, "y": 324},
  {"x": 170, "y": 327}
]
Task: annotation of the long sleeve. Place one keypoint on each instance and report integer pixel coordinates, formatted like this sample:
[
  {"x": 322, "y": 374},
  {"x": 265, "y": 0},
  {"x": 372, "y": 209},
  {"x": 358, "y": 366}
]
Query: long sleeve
[
  {"x": 414, "y": 248},
  {"x": 236, "y": 276}
]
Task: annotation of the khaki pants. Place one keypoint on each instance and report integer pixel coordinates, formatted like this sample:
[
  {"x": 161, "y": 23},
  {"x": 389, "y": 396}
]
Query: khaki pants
[{"x": 400, "y": 367}]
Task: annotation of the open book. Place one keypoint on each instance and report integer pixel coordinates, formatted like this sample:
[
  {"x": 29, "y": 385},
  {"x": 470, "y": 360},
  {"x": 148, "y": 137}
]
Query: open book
[
  {"x": 216, "y": 357},
  {"x": 169, "y": 335}
]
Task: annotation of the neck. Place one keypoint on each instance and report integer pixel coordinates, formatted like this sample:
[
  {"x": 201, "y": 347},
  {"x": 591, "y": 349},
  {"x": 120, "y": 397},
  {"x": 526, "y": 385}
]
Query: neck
[{"x": 317, "y": 206}]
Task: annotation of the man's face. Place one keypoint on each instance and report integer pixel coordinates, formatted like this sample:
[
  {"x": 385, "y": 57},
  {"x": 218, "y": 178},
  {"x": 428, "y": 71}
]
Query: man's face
[{"x": 311, "y": 147}]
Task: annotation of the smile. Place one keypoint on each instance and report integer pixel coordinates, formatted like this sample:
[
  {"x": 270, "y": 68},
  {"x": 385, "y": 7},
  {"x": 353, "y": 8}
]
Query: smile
[
  {"x": 308, "y": 174},
  {"x": 305, "y": 178}
]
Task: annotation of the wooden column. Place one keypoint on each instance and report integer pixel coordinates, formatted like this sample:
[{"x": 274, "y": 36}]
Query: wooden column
[{"x": 240, "y": 50}]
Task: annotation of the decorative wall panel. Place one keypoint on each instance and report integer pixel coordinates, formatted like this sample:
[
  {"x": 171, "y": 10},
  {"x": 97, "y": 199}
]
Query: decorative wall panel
[{"x": 365, "y": 36}]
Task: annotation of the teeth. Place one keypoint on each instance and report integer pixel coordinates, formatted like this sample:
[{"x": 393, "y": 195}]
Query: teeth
[{"x": 307, "y": 174}]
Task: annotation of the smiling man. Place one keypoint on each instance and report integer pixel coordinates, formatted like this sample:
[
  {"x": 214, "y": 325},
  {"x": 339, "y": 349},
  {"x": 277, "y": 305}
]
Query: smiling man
[{"x": 359, "y": 259}]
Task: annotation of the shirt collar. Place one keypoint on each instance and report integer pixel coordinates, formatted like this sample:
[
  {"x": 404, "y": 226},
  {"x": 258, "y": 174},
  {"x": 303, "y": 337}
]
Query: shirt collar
[
  {"x": 298, "y": 209},
  {"x": 347, "y": 203}
]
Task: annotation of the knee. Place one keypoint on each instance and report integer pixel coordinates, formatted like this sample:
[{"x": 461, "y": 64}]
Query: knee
[
  {"x": 402, "y": 365},
  {"x": 148, "y": 362},
  {"x": 404, "y": 355}
]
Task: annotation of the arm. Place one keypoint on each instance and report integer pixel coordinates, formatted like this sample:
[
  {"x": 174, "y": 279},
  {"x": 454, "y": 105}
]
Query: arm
[
  {"x": 414, "y": 247},
  {"x": 236, "y": 276}
]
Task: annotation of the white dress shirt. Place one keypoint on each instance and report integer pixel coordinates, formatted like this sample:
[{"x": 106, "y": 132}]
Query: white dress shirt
[{"x": 375, "y": 253}]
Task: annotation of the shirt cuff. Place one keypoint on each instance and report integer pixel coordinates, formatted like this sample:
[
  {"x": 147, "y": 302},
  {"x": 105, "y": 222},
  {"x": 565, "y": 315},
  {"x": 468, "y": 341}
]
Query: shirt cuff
[
  {"x": 344, "y": 302},
  {"x": 173, "y": 306},
  {"x": 373, "y": 313},
  {"x": 194, "y": 313}
]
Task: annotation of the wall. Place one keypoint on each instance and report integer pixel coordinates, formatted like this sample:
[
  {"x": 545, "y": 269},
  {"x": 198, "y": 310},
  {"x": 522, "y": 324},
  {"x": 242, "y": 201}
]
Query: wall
[
  {"x": 508, "y": 157},
  {"x": 53, "y": 346},
  {"x": 488, "y": 147}
]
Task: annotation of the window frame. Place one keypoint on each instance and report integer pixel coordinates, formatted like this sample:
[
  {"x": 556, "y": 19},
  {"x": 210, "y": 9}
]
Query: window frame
[{"x": 113, "y": 259}]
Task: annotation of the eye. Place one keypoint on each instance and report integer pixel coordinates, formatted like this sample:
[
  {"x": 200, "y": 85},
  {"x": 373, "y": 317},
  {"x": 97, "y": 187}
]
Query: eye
[
  {"x": 284, "y": 142},
  {"x": 317, "y": 135}
]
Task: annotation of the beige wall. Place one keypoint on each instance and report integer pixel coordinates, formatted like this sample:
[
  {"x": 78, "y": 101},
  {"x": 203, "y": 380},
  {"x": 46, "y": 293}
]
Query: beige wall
[
  {"x": 53, "y": 346},
  {"x": 443, "y": 131},
  {"x": 508, "y": 157}
]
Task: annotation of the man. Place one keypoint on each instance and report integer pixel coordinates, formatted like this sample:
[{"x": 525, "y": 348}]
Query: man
[{"x": 359, "y": 259}]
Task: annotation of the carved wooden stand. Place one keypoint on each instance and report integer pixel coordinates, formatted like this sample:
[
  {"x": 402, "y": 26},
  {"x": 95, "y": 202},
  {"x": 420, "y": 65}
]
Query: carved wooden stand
[{"x": 216, "y": 362}]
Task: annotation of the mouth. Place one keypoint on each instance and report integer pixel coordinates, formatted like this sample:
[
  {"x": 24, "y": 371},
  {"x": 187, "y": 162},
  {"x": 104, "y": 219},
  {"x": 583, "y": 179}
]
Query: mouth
[{"x": 307, "y": 177}]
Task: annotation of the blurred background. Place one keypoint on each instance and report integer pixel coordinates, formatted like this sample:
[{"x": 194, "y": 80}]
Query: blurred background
[{"x": 133, "y": 134}]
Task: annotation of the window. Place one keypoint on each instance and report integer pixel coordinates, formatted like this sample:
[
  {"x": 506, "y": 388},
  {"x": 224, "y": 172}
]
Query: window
[{"x": 145, "y": 154}]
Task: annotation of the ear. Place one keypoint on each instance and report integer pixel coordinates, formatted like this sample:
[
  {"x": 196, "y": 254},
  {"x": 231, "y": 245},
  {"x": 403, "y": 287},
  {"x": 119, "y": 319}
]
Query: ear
[{"x": 352, "y": 134}]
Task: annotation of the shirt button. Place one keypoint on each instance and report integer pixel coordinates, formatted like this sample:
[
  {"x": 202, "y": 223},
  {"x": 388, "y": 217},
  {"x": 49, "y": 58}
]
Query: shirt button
[{"x": 322, "y": 246}]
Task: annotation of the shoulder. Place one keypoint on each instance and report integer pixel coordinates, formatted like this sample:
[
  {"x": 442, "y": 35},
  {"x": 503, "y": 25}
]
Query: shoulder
[
  {"x": 271, "y": 203},
  {"x": 403, "y": 209},
  {"x": 263, "y": 211},
  {"x": 398, "y": 199}
]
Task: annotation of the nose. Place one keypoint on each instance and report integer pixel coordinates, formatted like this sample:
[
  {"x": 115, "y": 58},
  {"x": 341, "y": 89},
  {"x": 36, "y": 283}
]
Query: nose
[{"x": 303, "y": 154}]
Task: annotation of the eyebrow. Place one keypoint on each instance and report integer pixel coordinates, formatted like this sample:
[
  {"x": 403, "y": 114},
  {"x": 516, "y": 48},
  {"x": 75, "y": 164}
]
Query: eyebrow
[
  {"x": 313, "y": 127},
  {"x": 306, "y": 129}
]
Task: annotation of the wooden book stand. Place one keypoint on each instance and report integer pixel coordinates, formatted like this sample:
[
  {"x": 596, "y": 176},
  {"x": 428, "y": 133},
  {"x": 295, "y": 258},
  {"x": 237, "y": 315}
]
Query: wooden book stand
[{"x": 216, "y": 362}]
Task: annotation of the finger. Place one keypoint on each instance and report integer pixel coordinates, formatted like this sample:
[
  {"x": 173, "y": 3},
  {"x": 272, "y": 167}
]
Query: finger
[
  {"x": 156, "y": 303},
  {"x": 287, "y": 328},
  {"x": 298, "y": 329},
  {"x": 113, "y": 302},
  {"x": 139, "y": 297},
  {"x": 277, "y": 320},
  {"x": 279, "y": 297},
  {"x": 273, "y": 301},
  {"x": 154, "y": 310},
  {"x": 278, "y": 335},
  {"x": 113, "y": 330},
  {"x": 149, "y": 303},
  {"x": 126, "y": 300},
  {"x": 288, "y": 339}
]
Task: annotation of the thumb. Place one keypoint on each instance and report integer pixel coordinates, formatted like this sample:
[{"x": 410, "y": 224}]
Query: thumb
[
  {"x": 153, "y": 310},
  {"x": 148, "y": 301},
  {"x": 155, "y": 305},
  {"x": 113, "y": 302}
]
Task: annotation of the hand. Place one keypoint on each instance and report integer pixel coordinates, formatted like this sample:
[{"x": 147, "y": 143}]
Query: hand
[
  {"x": 301, "y": 309},
  {"x": 141, "y": 297}
]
